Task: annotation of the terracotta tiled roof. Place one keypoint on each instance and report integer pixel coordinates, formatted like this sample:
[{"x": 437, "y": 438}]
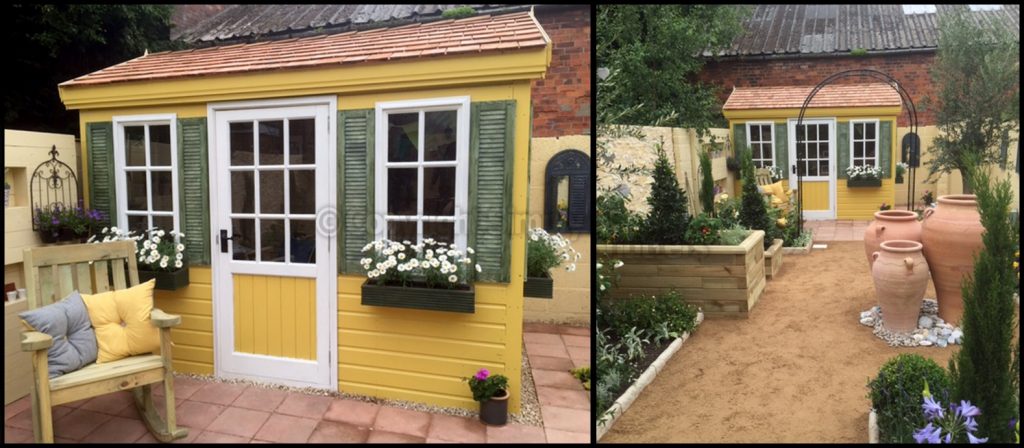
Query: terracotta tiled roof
[
  {"x": 471, "y": 35},
  {"x": 836, "y": 95}
]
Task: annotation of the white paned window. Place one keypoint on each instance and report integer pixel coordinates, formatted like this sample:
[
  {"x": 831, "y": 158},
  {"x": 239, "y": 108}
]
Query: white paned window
[
  {"x": 813, "y": 144},
  {"x": 864, "y": 143},
  {"x": 422, "y": 170},
  {"x": 146, "y": 172},
  {"x": 762, "y": 142}
]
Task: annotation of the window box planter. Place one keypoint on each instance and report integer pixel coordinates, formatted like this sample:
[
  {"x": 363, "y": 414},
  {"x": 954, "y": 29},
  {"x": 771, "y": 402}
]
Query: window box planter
[
  {"x": 538, "y": 287},
  {"x": 859, "y": 183},
  {"x": 773, "y": 259},
  {"x": 167, "y": 281},
  {"x": 725, "y": 281},
  {"x": 420, "y": 297}
]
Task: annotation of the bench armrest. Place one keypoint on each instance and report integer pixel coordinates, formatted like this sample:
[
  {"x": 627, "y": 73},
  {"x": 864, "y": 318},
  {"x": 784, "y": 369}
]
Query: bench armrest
[
  {"x": 32, "y": 341},
  {"x": 163, "y": 320}
]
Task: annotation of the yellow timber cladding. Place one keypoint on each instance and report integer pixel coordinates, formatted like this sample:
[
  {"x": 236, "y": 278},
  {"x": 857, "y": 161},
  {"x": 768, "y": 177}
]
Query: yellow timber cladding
[
  {"x": 855, "y": 203},
  {"x": 390, "y": 353}
]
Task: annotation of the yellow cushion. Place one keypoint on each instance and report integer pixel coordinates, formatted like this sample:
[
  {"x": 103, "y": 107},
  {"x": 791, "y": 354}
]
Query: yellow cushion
[
  {"x": 778, "y": 191},
  {"x": 122, "y": 322}
]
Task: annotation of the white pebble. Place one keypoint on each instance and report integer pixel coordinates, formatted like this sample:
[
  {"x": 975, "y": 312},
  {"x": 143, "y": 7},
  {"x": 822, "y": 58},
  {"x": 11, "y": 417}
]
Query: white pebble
[
  {"x": 867, "y": 321},
  {"x": 925, "y": 343}
]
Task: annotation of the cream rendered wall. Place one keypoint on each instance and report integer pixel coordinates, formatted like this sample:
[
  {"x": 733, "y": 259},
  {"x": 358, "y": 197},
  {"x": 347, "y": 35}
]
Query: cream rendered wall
[
  {"x": 23, "y": 152},
  {"x": 571, "y": 301}
]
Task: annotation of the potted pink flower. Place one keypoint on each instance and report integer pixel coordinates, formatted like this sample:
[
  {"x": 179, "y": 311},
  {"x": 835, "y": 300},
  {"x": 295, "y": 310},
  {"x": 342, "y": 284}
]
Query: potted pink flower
[{"x": 492, "y": 393}]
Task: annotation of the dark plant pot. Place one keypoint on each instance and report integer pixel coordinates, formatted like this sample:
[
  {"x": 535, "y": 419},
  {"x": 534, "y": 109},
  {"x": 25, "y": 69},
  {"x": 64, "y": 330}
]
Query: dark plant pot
[
  {"x": 899, "y": 178},
  {"x": 49, "y": 236},
  {"x": 538, "y": 287},
  {"x": 420, "y": 297},
  {"x": 858, "y": 183},
  {"x": 494, "y": 412},
  {"x": 167, "y": 281}
]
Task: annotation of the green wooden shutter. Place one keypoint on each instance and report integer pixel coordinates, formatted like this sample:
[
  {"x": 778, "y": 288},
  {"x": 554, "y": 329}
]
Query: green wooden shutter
[
  {"x": 194, "y": 190},
  {"x": 885, "y": 148},
  {"x": 101, "y": 168},
  {"x": 739, "y": 133},
  {"x": 782, "y": 149},
  {"x": 355, "y": 188},
  {"x": 842, "y": 148},
  {"x": 490, "y": 180}
]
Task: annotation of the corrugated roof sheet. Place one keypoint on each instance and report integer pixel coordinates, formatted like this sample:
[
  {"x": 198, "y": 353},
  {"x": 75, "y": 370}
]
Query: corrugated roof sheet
[
  {"x": 248, "y": 22},
  {"x": 470, "y": 35},
  {"x": 834, "y": 95},
  {"x": 822, "y": 29}
]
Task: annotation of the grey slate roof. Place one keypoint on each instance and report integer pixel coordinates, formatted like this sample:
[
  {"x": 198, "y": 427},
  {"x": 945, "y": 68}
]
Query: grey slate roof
[
  {"x": 775, "y": 30},
  {"x": 243, "y": 23}
]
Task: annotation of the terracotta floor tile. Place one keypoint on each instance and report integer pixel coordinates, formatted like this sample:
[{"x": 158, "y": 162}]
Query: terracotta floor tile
[
  {"x": 569, "y": 398},
  {"x": 515, "y": 433},
  {"x": 565, "y": 419},
  {"x": 457, "y": 429},
  {"x": 334, "y": 432},
  {"x": 77, "y": 404},
  {"x": 579, "y": 354},
  {"x": 302, "y": 405},
  {"x": 183, "y": 387},
  {"x": 218, "y": 393},
  {"x": 117, "y": 430},
  {"x": 16, "y": 407},
  {"x": 536, "y": 327},
  {"x": 215, "y": 437},
  {"x": 351, "y": 411},
  {"x": 286, "y": 429},
  {"x": 554, "y": 350},
  {"x": 557, "y": 436},
  {"x": 158, "y": 403},
  {"x": 549, "y": 362},
  {"x": 542, "y": 338},
  {"x": 190, "y": 438},
  {"x": 22, "y": 420},
  {"x": 197, "y": 415},
  {"x": 576, "y": 331},
  {"x": 17, "y": 435},
  {"x": 555, "y": 378},
  {"x": 78, "y": 424},
  {"x": 111, "y": 404},
  {"x": 576, "y": 341},
  {"x": 402, "y": 421},
  {"x": 391, "y": 437},
  {"x": 239, "y": 422},
  {"x": 260, "y": 399}
]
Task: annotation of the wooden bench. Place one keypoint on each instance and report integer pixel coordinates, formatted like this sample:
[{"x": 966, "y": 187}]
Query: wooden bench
[{"x": 52, "y": 273}]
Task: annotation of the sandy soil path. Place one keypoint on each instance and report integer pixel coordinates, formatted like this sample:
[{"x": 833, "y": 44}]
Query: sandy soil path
[{"x": 795, "y": 371}]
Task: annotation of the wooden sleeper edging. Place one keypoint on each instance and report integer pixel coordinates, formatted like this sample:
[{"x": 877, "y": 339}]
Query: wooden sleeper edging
[
  {"x": 630, "y": 395},
  {"x": 873, "y": 427}
]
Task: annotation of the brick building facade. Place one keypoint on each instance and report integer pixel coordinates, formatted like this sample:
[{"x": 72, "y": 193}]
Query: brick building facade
[{"x": 561, "y": 104}]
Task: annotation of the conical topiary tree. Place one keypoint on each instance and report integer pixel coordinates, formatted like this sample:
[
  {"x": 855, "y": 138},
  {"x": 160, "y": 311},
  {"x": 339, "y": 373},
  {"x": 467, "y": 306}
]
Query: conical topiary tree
[
  {"x": 753, "y": 214},
  {"x": 707, "y": 184},
  {"x": 666, "y": 222},
  {"x": 982, "y": 370}
]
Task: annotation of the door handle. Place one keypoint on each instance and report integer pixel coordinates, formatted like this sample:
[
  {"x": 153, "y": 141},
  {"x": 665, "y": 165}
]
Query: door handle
[
  {"x": 792, "y": 169},
  {"x": 224, "y": 238}
]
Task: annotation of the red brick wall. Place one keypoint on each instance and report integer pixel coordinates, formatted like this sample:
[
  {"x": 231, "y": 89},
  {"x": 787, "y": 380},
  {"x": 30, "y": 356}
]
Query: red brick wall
[
  {"x": 911, "y": 70},
  {"x": 561, "y": 101}
]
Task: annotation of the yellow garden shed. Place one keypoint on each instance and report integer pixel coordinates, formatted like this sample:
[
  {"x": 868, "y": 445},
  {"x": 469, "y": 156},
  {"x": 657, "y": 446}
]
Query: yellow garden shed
[
  {"x": 281, "y": 160},
  {"x": 844, "y": 125}
]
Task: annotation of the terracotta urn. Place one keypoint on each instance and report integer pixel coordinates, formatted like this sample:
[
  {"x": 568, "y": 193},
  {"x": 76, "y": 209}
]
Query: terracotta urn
[
  {"x": 901, "y": 277},
  {"x": 891, "y": 225},
  {"x": 951, "y": 234}
]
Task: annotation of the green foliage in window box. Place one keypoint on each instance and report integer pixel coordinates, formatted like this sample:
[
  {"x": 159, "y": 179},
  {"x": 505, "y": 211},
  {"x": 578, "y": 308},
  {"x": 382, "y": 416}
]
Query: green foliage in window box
[{"x": 896, "y": 395}]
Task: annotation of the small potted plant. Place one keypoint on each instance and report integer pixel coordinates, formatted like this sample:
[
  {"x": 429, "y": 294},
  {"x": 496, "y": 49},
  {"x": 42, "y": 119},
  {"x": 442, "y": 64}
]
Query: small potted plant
[
  {"x": 900, "y": 169},
  {"x": 928, "y": 198},
  {"x": 544, "y": 252},
  {"x": 732, "y": 164},
  {"x": 160, "y": 256},
  {"x": 492, "y": 393},
  {"x": 863, "y": 176},
  {"x": 884, "y": 207},
  {"x": 48, "y": 222},
  {"x": 427, "y": 276}
]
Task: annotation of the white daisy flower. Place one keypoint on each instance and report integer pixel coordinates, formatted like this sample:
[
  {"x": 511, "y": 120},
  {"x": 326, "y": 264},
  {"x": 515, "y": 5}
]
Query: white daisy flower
[
  {"x": 160, "y": 232},
  {"x": 180, "y": 247},
  {"x": 478, "y": 269},
  {"x": 163, "y": 263},
  {"x": 452, "y": 278},
  {"x": 401, "y": 256},
  {"x": 178, "y": 256},
  {"x": 104, "y": 230},
  {"x": 470, "y": 250},
  {"x": 142, "y": 259},
  {"x": 113, "y": 229},
  {"x": 178, "y": 264},
  {"x": 618, "y": 264}
]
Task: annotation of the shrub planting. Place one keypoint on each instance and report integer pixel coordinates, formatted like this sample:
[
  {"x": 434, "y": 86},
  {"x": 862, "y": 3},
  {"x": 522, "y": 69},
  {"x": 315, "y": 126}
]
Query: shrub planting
[{"x": 896, "y": 395}]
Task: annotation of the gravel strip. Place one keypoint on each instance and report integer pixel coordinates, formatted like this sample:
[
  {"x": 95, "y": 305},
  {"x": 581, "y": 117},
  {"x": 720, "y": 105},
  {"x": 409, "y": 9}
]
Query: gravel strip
[{"x": 529, "y": 409}]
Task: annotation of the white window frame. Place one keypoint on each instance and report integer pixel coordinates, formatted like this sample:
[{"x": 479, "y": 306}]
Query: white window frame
[
  {"x": 750, "y": 143},
  {"x": 381, "y": 164},
  {"x": 876, "y": 140},
  {"x": 121, "y": 169}
]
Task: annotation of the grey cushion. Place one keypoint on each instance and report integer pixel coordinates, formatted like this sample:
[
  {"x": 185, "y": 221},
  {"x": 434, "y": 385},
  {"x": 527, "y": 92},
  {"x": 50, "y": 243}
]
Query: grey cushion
[{"x": 67, "y": 322}]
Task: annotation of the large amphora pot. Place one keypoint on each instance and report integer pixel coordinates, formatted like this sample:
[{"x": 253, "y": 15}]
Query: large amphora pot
[
  {"x": 951, "y": 234},
  {"x": 901, "y": 277},
  {"x": 890, "y": 225}
]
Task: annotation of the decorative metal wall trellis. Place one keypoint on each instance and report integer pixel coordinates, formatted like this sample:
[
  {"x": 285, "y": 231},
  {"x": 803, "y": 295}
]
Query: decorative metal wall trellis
[
  {"x": 911, "y": 152},
  {"x": 53, "y": 184}
]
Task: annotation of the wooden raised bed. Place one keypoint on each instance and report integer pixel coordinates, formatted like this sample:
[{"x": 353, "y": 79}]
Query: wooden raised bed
[
  {"x": 17, "y": 364},
  {"x": 773, "y": 259},
  {"x": 725, "y": 281}
]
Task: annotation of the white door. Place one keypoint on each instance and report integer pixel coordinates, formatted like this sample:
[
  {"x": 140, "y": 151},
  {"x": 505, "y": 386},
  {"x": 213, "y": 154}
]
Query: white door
[
  {"x": 817, "y": 151},
  {"x": 274, "y": 281}
]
